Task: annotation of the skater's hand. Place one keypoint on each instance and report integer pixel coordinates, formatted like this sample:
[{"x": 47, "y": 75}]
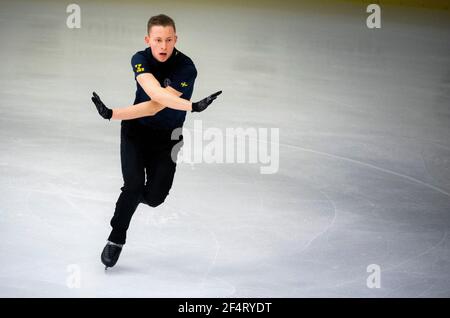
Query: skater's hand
[
  {"x": 104, "y": 111},
  {"x": 204, "y": 103}
]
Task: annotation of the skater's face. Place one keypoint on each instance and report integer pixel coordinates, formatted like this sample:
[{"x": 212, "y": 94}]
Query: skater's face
[{"x": 161, "y": 40}]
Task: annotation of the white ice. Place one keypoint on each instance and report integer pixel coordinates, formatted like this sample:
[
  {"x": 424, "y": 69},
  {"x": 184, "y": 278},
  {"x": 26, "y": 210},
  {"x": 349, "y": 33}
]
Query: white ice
[{"x": 364, "y": 174}]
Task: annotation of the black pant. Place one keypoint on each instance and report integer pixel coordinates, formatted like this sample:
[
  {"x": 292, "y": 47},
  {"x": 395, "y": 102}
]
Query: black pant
[{"x": 143, "y": 151}]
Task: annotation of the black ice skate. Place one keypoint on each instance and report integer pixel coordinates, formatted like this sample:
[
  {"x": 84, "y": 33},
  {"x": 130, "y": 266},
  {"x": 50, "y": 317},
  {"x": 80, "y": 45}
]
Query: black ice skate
[{"x": 111, "y": 254}]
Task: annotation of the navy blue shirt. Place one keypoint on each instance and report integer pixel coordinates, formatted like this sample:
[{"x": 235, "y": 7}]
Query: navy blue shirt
[{"x": 178, "y": 72}]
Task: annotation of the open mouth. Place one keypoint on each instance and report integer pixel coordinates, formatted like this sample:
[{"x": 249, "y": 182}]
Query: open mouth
[{"x": 163, "y": 54}]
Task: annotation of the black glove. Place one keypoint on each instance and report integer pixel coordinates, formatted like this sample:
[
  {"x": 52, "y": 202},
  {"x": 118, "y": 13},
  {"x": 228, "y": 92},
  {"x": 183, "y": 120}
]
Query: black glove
[
  {"x": 204, "y": 103},
  {"x": 104, "y": 111}
]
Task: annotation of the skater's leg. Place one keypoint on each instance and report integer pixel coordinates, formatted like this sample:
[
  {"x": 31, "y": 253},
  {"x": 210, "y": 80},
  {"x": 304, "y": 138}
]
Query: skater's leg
[
  {"x": 133, "y": 172},
  {"x": 160, "y": 169},
  {"x": 160, "y": 174}
]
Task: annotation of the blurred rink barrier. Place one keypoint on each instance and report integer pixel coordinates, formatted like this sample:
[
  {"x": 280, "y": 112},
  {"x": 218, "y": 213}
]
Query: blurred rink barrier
[
  {"x": 429, "y": 4},
  {"x": 443, "y": 5}
]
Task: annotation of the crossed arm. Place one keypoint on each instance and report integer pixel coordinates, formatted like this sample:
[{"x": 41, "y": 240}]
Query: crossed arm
[
  {"x": 159, "y": 97},
  {"x": 143, "y": 109},
  {"x": 148, "y": 108}
]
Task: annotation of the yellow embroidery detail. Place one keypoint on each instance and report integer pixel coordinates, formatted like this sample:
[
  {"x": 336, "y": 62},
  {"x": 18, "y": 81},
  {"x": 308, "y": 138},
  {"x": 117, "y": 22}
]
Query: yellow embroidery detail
[
  {"x": 139, "y": 68},
  {"x": 184, "y": 84}
]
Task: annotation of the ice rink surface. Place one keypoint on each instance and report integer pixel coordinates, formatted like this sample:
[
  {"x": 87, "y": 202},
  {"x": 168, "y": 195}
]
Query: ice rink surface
[{"x": 364, "y": 153}]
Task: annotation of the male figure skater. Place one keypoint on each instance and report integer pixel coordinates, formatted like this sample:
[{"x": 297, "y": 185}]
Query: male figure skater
[{"x": 165, "y": 81}]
